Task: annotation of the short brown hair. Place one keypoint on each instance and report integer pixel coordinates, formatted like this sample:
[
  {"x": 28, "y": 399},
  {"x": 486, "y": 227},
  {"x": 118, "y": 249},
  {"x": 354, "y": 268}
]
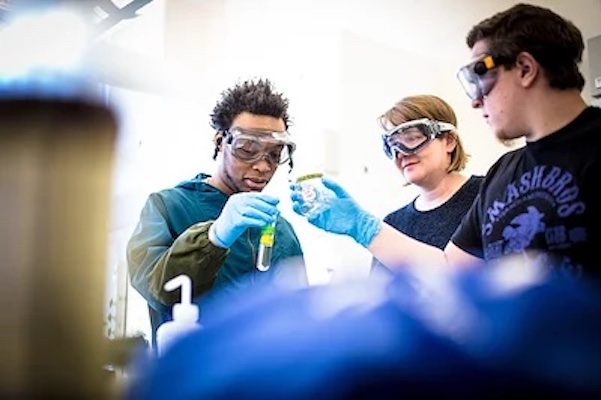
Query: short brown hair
[
  {"x": 554, "y": 42},
  {"x": 432, "y": 107}
]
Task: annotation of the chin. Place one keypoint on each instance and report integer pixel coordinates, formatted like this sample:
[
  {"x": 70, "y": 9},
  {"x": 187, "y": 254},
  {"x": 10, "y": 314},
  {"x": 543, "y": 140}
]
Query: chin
[
  {"x": 502, "y": 134},
  {"x": 511, "y": 141},
  {"x": 253, "y": 189}
]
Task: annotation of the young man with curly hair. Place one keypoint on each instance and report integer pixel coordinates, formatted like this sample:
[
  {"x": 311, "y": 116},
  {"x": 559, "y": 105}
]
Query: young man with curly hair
[{"x": 209, "y": 227}]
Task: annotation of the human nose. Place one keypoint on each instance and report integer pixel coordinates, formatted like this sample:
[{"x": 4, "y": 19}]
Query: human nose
[
  {"x": 477, "y": 103},
  {"x": 265, "y": 159},
  {"x": 399, "y": 155}
]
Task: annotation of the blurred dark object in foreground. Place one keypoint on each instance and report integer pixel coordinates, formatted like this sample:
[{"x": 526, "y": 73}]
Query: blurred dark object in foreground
[
  {"x": 122, "y": 351},
  {"x": 56, "y": 156},
  {"x": 488, "y": 333}
]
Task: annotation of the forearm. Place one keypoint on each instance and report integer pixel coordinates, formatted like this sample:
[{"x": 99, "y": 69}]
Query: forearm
[
  {"x": 397, "y": 250},
  {"x": 191, "y": 254}
]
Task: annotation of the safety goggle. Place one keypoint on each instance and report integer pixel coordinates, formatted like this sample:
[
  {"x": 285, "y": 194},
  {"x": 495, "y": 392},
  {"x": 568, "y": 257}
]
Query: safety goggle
[
  {"x": 251, "y": 146},
  {"x": 478, "y": 77},
  {"x": 410, "y": 137}
]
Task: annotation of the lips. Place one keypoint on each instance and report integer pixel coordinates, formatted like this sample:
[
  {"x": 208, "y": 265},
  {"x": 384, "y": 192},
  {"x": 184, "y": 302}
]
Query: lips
[
  {"x": 408, "y": 164},
  {"x": 255, "y": 184}
]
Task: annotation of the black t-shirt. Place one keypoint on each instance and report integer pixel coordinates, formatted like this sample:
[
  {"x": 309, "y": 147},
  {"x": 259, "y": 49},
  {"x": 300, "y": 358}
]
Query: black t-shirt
[
  {"x": 540, "y": 201},
  {"x": 435, "y": 227}
]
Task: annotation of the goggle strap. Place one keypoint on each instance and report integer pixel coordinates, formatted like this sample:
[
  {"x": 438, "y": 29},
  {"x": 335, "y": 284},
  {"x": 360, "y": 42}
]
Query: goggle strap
[
  {"x": 442, "y": 126},
  {"x": 228, "y": 137},
  {"x": 445, "y": 126}
]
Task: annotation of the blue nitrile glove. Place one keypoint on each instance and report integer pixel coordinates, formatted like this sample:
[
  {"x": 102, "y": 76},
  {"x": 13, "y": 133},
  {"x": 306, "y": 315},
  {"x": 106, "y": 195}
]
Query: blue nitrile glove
[
  {"x": 342, "y": 215},
  {"x": 242, "y": 211}
]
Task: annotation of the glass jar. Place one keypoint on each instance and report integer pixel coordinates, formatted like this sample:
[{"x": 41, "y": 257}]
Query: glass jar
[{"x": 315, "y": 195}]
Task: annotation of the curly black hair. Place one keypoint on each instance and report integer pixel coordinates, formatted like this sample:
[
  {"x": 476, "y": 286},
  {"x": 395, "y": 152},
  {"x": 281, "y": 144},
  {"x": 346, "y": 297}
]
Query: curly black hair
[{"x": 256, "y": 97}]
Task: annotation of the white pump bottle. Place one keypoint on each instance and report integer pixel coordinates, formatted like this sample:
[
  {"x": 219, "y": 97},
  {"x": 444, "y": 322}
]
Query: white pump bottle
[{"x": 185, "y": 315}]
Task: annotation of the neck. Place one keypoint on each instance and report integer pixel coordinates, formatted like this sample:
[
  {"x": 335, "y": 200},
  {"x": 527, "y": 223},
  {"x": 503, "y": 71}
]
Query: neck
[
  {"x": 552, "y": 111},
  {"x": 436, "y": 194},
  {"x": 218, "y": 183}
]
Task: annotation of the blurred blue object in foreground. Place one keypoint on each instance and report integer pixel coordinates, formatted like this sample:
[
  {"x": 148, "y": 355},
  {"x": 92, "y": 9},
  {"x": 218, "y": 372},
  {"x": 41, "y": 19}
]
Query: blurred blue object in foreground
[{"x": 507, "y": 330}]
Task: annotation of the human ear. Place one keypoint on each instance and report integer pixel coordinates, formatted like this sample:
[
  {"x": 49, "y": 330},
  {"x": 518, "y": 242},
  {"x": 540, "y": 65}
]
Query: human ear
[
  {"x": 218, "y": 141},
  {"x": 528, "y": 68},
  {"x": 451, "y": 142}
]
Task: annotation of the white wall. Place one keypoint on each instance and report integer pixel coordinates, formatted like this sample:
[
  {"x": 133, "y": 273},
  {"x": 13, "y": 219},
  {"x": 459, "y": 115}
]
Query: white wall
[{"x": 342, "y": 63}]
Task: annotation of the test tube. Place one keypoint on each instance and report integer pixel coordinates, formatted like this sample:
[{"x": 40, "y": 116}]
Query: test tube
[{"x": 265, "y": 247}]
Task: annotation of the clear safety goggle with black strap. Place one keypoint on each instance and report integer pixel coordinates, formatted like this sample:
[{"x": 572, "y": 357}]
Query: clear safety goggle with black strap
[
  {"x": 253, "y": 145},
  {"x": 411, "y": 136},
  {"x": 479, "y": 76}
]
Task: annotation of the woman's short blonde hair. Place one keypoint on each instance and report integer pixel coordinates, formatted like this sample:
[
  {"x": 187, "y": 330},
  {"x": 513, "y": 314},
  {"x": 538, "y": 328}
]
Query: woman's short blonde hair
[{"x": 432, "y": 107}]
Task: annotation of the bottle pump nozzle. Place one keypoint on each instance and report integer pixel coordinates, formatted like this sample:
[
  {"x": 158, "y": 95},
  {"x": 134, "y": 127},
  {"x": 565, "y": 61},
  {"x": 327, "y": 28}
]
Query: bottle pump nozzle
[{"x": 184, "y": 311}]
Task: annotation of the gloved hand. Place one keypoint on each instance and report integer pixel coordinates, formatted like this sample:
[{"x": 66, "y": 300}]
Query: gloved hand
[
  {"x": 242, "y": 211},
  {"x": 342, "y": 215}
]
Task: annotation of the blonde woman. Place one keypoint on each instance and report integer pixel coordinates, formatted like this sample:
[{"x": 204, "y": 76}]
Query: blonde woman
[{"x": 421, "y": 138}]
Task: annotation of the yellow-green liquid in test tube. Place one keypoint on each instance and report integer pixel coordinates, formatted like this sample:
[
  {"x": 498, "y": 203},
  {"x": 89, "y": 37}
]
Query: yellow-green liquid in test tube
[{"x": 265, "y": 247}]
